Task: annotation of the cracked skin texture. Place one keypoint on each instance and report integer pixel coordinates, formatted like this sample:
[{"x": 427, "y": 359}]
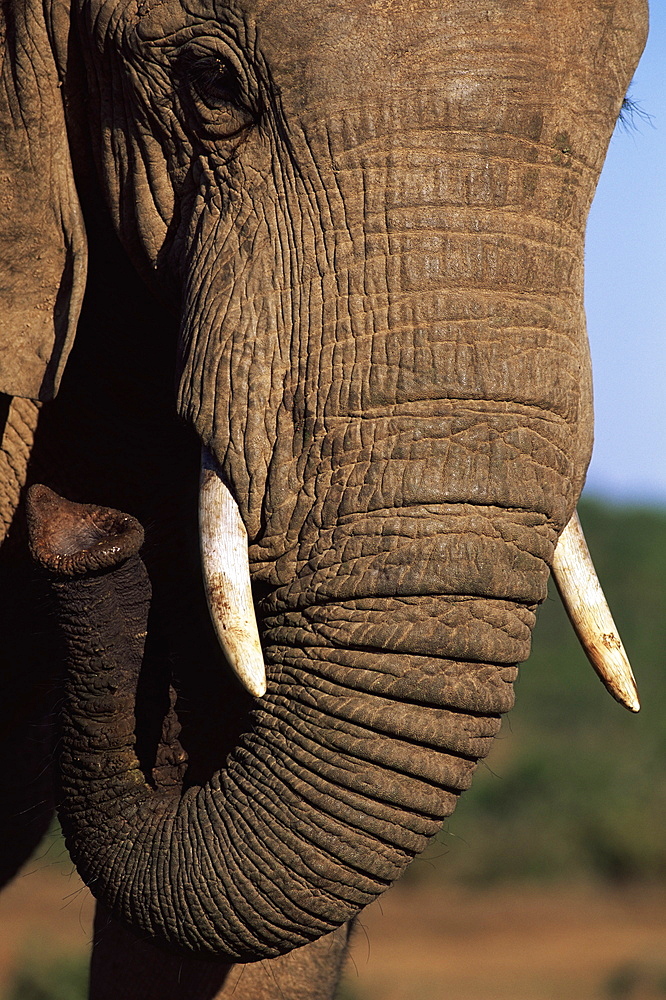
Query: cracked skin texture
[{"x": 360, "y": 228}]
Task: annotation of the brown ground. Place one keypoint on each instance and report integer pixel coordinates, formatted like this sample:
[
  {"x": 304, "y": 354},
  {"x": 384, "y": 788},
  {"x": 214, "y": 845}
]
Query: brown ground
[
  {"x": 511, "y": 944},
  {"x": 421, "y": 944}
]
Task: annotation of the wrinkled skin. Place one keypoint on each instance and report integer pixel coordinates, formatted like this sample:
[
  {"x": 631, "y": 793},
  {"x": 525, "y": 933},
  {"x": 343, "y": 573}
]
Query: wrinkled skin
[{"x": 352, "y": 236}]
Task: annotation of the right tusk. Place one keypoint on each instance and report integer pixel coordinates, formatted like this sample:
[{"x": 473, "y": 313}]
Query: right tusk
[
  {"x": 590, "y": 615},
  {"x": 226, "y": 571}
]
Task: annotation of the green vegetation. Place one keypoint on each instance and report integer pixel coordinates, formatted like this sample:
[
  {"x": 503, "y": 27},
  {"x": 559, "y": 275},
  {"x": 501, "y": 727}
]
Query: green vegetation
[
  {"x": 574, "y": 786},
  {"x": 634, "y": 981},
  {"x": 57, "y": 979},
  {"x": 347, "y": 991}
]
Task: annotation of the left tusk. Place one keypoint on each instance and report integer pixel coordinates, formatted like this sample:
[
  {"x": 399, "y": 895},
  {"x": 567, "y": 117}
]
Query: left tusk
[
  {"x": 226, "y": 572},
  {"x": 590, "y": 615}
]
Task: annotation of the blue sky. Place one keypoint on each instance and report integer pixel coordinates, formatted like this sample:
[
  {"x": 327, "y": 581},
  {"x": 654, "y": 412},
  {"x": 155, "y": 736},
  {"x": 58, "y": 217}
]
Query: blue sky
[{"x": 625, "y": 294}]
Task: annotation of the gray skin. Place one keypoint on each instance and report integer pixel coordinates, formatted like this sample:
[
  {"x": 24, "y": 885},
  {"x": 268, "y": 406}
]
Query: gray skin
[{"x": 352, "y": 235}]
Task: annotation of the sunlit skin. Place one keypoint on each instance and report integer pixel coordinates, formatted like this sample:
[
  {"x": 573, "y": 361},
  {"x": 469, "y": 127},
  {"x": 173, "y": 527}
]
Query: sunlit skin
[{"x": 340, "y": 247}]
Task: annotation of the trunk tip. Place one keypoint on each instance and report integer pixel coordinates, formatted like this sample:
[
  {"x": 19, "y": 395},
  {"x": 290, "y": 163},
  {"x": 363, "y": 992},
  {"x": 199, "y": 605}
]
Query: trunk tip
[{"x": 72, "y": 539}]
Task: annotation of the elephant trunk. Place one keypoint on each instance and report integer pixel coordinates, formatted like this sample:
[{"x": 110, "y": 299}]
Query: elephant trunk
[{"x": 376, "y": 712}]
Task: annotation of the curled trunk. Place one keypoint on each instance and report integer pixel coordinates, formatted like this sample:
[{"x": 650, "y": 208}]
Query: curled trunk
[{"x": 377, "y": 710}]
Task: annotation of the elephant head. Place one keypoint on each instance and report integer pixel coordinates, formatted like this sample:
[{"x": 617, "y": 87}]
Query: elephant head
[{"x": 366, "y": 221}]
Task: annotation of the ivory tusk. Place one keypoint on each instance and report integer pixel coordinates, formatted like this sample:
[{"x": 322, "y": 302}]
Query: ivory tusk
[
  {"x": 226, "y": 572},
  {"x": 590, "y": 615}
]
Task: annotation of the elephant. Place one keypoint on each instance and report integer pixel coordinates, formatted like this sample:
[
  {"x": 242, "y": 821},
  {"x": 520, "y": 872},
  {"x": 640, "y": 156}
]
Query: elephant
[{"x": 296, "y": 383}]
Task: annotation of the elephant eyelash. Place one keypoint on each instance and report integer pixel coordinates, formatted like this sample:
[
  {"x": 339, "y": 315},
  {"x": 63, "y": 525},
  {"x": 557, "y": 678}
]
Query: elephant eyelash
[
  {"x": 215, "y": 81},
  {"x": 632, "y": 114}
]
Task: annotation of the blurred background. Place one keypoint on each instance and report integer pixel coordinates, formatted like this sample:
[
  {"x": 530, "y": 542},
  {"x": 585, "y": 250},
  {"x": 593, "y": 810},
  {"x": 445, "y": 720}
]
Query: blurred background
[{"x": 549, "y": 881}]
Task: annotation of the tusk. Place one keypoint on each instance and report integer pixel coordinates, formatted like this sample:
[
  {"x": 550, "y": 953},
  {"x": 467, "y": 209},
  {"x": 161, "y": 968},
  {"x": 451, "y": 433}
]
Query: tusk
[
  {"x": 226, "y": 572},
  {"x": 590, "y": 615}
]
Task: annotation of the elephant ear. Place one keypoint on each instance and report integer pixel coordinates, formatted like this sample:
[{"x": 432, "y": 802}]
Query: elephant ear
[{"x": 42, "y": 236}]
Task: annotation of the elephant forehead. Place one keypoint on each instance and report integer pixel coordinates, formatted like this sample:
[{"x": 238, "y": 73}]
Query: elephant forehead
[
  {"x": 351, "y": 43},
  {"x": 546, "y": 71},
  {"x": 336, "y": 48}
]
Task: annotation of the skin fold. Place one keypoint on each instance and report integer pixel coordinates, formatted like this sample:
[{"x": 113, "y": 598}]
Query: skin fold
[{"x": 341, "y": 246}]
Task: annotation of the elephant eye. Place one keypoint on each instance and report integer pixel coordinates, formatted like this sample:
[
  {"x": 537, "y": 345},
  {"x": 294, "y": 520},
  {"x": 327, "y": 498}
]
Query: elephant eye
[
  {"x": 215, "y": 81},
  {"x": 213, "y": 91}
]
